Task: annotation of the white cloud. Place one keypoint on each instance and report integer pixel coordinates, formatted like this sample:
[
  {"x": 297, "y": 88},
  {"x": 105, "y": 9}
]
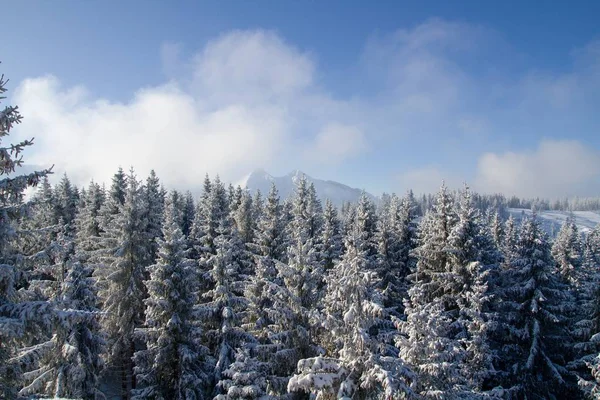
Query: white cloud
[
  {"x": 427, "y": 180},
  {"x": 252, "y": 66},
  {"x": 233, "y": 120},
  {"x": 337, "y": 142},
  {"x": 554, "y": 169}
]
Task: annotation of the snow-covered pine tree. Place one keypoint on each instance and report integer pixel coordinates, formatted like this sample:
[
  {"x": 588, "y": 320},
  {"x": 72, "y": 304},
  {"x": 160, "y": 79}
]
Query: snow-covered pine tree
[
  {"x": 67, "y": 363},
  {"x": 66, "y": 201},
  {"x": 153, "y": 204},
  {"x": 269, "y": 238},
  {"x": 352, "y": 310},
  {"x": 188, "y": 212},
  {"x": 497, "y": 229},
  {"x": 301, "y": 278},
  {"x": 365, "y": 221},
  {"x": 534, "y": 305},
  {"x": 87, "y": 222},
  {"x": 314, "y": 213},
  {"x": 331, "y": 237},
  {"x": 224, "y": 302},
  {"x": 172, "y": 365},
  {"x": 396, "y": 238},
  {"x": 511, "y": 236},
  {"x": 258, "y": 205},
  {"x": 270, "y": 319},
  {"x": 473, "y": 257},
  {"x": 215, "y": 213},
  {"x": 115, "y": 198},
  {"x": 586, "y": 329},
  {"x": 243, "y": 217},
  {"x": 199, "y": 223},
  {"x": 429, "y": 342},
  {"x": 246, "y": 378},
  {"x": 567, "y": 252},
  {"x": 17, "y": 315},
  {"x": 125, "y": 256}
]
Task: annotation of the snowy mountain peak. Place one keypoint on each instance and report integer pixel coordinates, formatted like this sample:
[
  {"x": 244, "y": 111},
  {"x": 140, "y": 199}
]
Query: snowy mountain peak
[{"x": 337, "y": 192}]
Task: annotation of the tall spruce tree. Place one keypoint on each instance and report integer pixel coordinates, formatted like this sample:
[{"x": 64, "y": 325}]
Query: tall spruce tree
[
  {"x": 18, "y": 315},
  {"x": 352, "y": 311},
  {"x": 172, "y": 365},
  {"x": 125, "y": 256},
  {"x": 535, "y": 303}
]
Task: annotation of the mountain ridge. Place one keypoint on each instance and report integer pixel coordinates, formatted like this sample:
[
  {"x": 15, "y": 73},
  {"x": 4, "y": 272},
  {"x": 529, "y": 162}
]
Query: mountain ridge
[{"x": 337, "y": 192}]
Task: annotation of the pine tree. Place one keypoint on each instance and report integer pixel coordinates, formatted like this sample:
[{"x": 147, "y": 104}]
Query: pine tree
[
  {"x": 172, "y": 364},
  {"x": 269, "y": 238},
  {"x": 567, "y": 252},
  {"x": 586, "y": 327},
  {"x": 511, "y": 236},
  {"x": 87, "y": 222},
  {"x": 246, "y": 378},
  {"x": 153, "y": 204},
  {"x": 68, "y": 363},
  {"x": 331, "y": 237},
  {"x": 125, "y": 257},
  {"x": 243, "y": 216},
  {"x": 352, "y": 311},
  {"x": 66, "y": 201},
  {"x": 533, "y": 315},
  {"x": 497, "y": 229},
  {"x": 396, "y": 238},
  {"x": 446, "y": 327},
  {"x": 365, "y": 221},
  {"x": 187, "y": 216},
  {"x": 224, "y": 302},
  {"x": 17, "y": 316}
]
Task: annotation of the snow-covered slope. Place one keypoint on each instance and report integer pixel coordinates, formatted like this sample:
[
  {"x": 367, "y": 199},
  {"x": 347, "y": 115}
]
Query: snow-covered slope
[
  {"x": 334, "y": 191},
  {"x": 552, "y": 220}
]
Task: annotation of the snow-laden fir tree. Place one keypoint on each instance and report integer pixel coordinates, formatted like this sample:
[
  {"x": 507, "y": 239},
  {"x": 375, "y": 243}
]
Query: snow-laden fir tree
[
  {"x": 246, "y": 378},
  {"x": 67, "y": 364},
  {"x": 269, "y": 237},
  {"x": 396, "y": 238},
  {"x": 243, "y": 217},
  {"x": 271, "y": 318},
  {"x": 215, "y": 212},
  {"x": 301, "y": 278},
  {"x": 356, "y": 368},
  {"x": 187, "y": 214},
  {"x": 365, "y": 220},
  {"x": 125, "y": 257},
  {"x": 172, "y": 365},
  {"x": 18, "y": 316},
  {"x": 511, "y": 236},
  {"x": 198, "y": 227},
  {"x": 586, "y": 328},
  {"x": 473, "y": 258},
  {"x": 258, "y": 205},
  {"x": 331, "y": 237},
  {"x": 224, "y": 303},
  {"x": 534, "y": 305},
  {"x": 567, "y": 252},
  {"x": 445, "y": 332},
  {"x": 66, "y": 201},
  {"x": 87, "y": 222},
  {"x": 115, "y": 198},
  {"x": 497, "y": 229},
  {"x": 153, "y": 204}
]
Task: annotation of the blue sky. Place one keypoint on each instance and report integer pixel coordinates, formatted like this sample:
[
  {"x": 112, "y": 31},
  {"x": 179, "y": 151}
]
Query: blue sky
[{"x": 384, "y": 95}]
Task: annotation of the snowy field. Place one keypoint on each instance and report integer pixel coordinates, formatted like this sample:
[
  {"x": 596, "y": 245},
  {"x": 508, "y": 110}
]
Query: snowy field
[{"x": 552, "y": 220}]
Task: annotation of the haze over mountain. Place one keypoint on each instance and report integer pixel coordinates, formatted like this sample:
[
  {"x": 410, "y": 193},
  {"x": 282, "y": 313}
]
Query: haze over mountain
[{"x": 337, "y": 192}]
